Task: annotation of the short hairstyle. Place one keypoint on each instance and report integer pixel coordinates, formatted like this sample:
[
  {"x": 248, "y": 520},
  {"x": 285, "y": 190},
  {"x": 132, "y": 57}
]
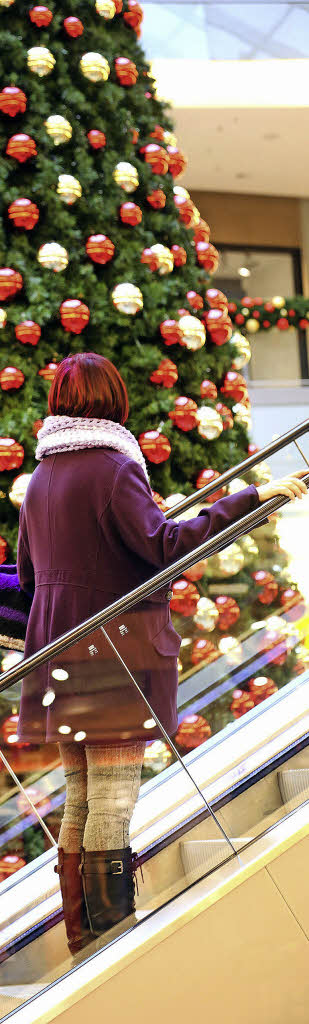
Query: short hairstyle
[{"x": 87, "y": 384}]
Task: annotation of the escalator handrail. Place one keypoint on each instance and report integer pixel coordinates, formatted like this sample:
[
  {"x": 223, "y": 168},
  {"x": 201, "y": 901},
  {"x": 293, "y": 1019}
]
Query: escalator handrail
[
  {"x": 123, "y": 604},
  {"x": 236, "y": 471}
]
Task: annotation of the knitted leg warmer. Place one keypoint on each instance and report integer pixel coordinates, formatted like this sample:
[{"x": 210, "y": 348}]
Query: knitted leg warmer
[
  {"x": 72, "y": 828},
  {"x": 114, "y": 775}
]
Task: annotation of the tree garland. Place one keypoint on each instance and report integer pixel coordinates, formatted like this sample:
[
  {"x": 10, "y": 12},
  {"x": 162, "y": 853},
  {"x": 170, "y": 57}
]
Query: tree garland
[{"x": 256, "y": 314}]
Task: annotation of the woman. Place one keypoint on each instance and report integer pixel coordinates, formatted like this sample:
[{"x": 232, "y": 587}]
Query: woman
[{"x": 89, "y": 533}]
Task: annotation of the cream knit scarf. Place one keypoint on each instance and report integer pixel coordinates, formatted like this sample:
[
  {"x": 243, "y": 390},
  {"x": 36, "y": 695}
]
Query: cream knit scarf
[{"x": 70, "y": 434}]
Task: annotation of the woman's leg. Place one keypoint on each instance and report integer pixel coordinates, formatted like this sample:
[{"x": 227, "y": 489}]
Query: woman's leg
[
  {"x": 70, "y": 842},
  {"x": 114, "y": 775}
]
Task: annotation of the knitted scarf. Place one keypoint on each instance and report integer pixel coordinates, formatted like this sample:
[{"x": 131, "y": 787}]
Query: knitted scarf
[{"x": 70, "y": 434}]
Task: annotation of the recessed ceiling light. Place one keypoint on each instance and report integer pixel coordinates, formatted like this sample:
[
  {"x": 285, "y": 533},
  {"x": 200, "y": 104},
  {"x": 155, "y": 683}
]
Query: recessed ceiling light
[{"x": 244, "y": 272}]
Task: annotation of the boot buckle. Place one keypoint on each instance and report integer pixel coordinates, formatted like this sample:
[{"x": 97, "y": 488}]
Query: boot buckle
[{"x": 119, "y": 867}]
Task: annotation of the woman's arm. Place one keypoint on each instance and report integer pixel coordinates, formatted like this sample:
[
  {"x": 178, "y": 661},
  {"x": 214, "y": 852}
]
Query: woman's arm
[
  {"x": 25, "y": 568},
  {"x": 144, "y": 529}
]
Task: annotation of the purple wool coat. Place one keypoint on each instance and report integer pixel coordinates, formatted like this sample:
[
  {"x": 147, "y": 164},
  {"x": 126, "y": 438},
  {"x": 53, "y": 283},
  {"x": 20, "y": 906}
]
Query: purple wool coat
[{"x": 89, "y": 533}]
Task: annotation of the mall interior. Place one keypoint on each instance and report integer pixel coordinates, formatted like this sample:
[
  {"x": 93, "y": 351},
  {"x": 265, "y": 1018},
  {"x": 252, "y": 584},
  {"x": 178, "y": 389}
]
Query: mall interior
[{"x": 155, "y": 211}]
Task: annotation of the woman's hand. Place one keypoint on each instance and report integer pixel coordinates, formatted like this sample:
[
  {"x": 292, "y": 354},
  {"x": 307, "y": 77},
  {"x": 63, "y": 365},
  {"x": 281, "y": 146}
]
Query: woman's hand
[{"x": 291, "y": 486}]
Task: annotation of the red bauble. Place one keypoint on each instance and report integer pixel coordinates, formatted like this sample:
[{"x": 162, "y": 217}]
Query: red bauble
[
  {"x": 219, "y": 325},
  {"x": 96, "y": 138},
  {"x": 177, "y": 161},
  {"x": 36, "y": 427},
  {"x": 171, "y": 332},
  {"x": 118, "y": 5},
  {"x": 196, "y": 571},
  {"x": 41, "y": 16},
  {"x": 239, "y": 319},
  {"x": 253, "y": 448},
  {"x": 185, "y": 597},
  {"x": 157, "y": 199},
  {"x": 226, "y": 416},
  {"x": 28, "y": 332},
  {"x": 207, "y": 256},
  {"x": 12, "y": 101},
  {"x": 185, "y": 209},
  {"x": 292, "y": 602},
  {"x": 269, "y": 307},
  {"x": 9, "y": 863},
  {"x": 266, "y": 324},
  {"x": 229, "y": 612},
  {"x": 151, "y": 259},
  {"x": 195, "y": 300},
  {"x": 131, "y": 214},
  {"x": 74, "y": 27},
  {"x": 184, "y": 414},
  {"x": 165, "y": 374},
  {"x": 158, "y": 133},
  {"x": 203, "y": 650},
  {"x": 232, "y": 307},
  {"x": 22, "y": 147},
  {"x": 248, "y": 301},
  {"x": 234, "y": 386},
  {"x": 3, "y": 550},
  {"x": 24, "y": 213},
  {"x": 292, "y": 313},
  {"x": 192, "y": 731},
  {"x": 10, "y": 282},
  {"x": 134, "y": 16},
  {"x": 256, "y": 314},
  {"x": 156, "y": 156},
  {"x": 208, "y": 390},
  {"x": 11, "y": 378},
  {"x": 155, "y": 446},
  {"x": 74, "y": 315},
  {"x": 48, "y": 371},
  {"x": 201, "y": 231},
  {"x": 134, "y": 135},
  {"x": 275, "y": 646},
  {"x": 304, "y": 324},
  {"x": 267, "y": 586},
  {"x": 100, "y": 248},
  {"x": 261, "y": 687},
  {"x": 126, "y": 71},
  {"x": 241, "y": 703},
  {"x": 217, "y": 299},
  {"x": 283, "y": 323},
  {"x": 180, "y": 255},
  {"x": 11, "y": 454},
  {"x": 208, "y": 476},
  {"x": 159, "y": 501}
]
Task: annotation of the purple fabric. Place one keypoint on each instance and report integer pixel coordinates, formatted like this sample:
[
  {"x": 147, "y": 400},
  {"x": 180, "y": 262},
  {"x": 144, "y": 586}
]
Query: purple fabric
[
  {"x": 89, "y": 533},
  {"x": 14, "y": 607}
]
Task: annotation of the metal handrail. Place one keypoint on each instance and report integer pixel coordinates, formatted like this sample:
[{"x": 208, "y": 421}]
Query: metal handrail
[
  {"x": 242, "y": 467},
  {"x": 123, "y": 604}
]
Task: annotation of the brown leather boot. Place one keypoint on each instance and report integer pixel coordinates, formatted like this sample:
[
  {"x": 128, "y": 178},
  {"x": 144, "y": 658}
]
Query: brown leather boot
[
  {"x": 74, "y": 907},
  {"x": 108, "y": 881}
]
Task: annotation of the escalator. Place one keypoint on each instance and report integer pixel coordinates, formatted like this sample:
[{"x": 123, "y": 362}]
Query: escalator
[{"x": 203, "y": 826}]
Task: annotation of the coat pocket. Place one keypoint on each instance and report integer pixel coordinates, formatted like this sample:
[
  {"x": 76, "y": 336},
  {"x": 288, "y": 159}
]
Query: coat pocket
[{"x": 167, "y": 642}]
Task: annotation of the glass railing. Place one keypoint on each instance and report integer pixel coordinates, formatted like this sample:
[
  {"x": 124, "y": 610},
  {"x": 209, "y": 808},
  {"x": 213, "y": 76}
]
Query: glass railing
[{"x": 112, "y": 682}]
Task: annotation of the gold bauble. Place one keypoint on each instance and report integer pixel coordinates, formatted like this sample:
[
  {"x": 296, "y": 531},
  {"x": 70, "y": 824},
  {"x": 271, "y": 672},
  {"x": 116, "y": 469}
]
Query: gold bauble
[
  {"x": 284, "y": 312},
  {"x": 244, "y": 310},
  {"x": 3, "y": 318},
  {"x": 169, "y": 138},
  {"x": 242, "y": 415},
  {"x": 237, "y": 485},
  {"x": 165, "y": 258},
  {"x": 243, "y": 354},
  {"x": 58, "y": 128},
  {"x": 95, "y": 67},
  {"x": 127, "y": 298},
  {"x": 193, "y": 332},
  {"x": 231, "y": 560},
  {"x": 6, "y": 3},
  {"x": 210, "y": 424},
  {"x": 106, "y": 8},
  {"x": 249, "y": 548},
  {"x": 231, "y": 648},
  {"x": 69, "y": 189},
  {"x": 126, "y": 176},
  {"x": 18, "y": 489},
  {"x": 180, "y": 191},
  {"x": 278, "y": 301},
  {"x": 40, "y": 60},
  {"x": 206, "y": 616},
  {"x": 157, "y": 756},
  {"x": 252, "y": 325},
  {"x": 196, "y": 217},
  {"x": 53, "y": 256}
]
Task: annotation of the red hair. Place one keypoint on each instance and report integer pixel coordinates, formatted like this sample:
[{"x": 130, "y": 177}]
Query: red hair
[{"x": 89, "y": 385}]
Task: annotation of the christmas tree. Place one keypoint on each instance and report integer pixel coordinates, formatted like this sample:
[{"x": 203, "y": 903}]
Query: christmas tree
[{"x": 102, "y": 250}]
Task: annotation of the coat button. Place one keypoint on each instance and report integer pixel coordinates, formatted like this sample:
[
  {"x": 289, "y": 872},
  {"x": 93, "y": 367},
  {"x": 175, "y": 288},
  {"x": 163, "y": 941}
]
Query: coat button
[{"x": 169, "y": 595}]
